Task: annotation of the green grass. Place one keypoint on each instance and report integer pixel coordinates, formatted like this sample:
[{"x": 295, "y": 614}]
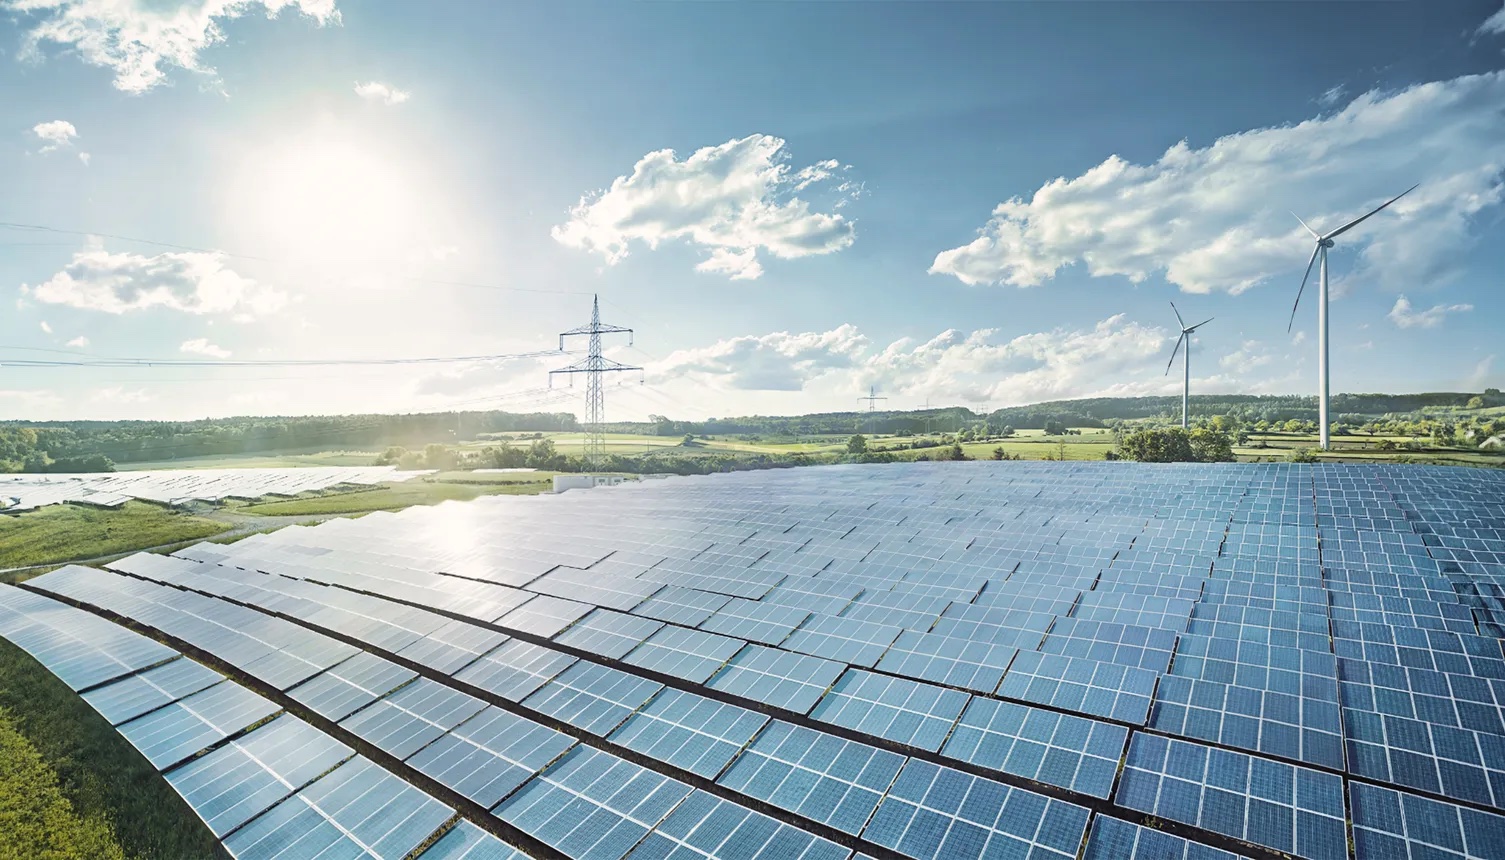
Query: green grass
[
  {"x": 103, "y": 778},
  {"x": 258, "y": 461},
  {"x": 61, "y": 533},
  {"x": 391, "y": 497},
  {"x": 39, "y": 821}
]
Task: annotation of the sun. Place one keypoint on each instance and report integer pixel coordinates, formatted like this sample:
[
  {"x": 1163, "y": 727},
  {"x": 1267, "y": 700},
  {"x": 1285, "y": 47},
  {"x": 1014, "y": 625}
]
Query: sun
[{"x": 326, "y": 197}]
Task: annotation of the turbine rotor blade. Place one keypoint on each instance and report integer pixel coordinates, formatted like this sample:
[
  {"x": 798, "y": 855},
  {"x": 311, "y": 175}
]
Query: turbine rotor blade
[
  {"x": 1200, "y": 324},
  {"x": 1179, "y": 320},
  {"x": 1168, "y": 364},
  {"x": 1355, "y": 222},
  {"x": 1304, "y": 278},
  {"x": 1307, "y": 226}
]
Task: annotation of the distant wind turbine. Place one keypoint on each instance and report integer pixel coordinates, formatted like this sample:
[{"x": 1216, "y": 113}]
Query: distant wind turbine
[
  {"x": 1185, "y": 337},
  {"x": 1325, "y": 241}
]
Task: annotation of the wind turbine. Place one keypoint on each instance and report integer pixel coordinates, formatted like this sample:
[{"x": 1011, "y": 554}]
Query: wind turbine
[
  {"x": 1186, "y": 331},
  {"x": 1325, "y": 241}
]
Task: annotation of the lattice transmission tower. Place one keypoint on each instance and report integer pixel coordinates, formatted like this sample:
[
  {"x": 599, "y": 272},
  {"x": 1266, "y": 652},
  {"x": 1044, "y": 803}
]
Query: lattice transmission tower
[
  {"x": 593, "y": 366},
  {"x": 872, "y": 399}
]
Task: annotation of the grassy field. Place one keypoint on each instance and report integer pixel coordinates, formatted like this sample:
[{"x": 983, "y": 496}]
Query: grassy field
[
  {"x": 39, "y": 820},
  {"x": 258, "y": 461},
  {"x": 105, "y": 781},
  {"x": 1277, "y": 447},
  {"x": 66, "y": 532},
  {"x": 392, "y": 497}
]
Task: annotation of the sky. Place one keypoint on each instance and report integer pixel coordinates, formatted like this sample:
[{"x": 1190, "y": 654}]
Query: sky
[{"x": 791, "y": 205}]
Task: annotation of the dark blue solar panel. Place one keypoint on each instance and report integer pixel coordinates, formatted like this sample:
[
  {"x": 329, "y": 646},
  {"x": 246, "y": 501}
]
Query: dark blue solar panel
[{"x": 937, "y": 812}]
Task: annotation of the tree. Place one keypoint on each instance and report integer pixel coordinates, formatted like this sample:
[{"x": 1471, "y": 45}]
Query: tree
[
  {"x": 1053, "y": 427},
  {"x": 688, "y": 441},
  {"x": 1475, "y": 403},
  {"x": 436, "y": 456},
  {"x": 956, "y": 452},
  {"x": 999, "y": 453},
  {"x": 1008, "y": 430},
  {"x": 1302, "y": 455},
  {"x": 1210, "y": 446},
  {"x": 857, "y": 444},
  {"x": 1157, "y": 445},
  {"x": 390, "y": 456}
]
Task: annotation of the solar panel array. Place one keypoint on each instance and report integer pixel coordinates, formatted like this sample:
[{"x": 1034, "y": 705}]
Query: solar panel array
[
  {"x": 910, "y": 660},
  {"x": 27, "y": 492}
]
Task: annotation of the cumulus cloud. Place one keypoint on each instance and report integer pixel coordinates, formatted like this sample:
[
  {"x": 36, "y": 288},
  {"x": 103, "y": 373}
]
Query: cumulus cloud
[
  {"x": 191, "y": 282},
  {"x": 55, "y": 135},
  {"x": 734, "y": 201},
  {"x": 1215, "y": 218},
  {"x": 202, "y": 346},
  {"x": 138, "y": 40},
  {"x": 78, "y": 343},
  {"x": 46, "y": 329},
  {"x": 772, "y": 362},
  {"x": 1249, "y": 355},
  {"x": 974, "y": 367},
  {"x": 1494, "y": 24},
  {"x": 1405, "y": 316},
  {"x": 376, "y": 91}
]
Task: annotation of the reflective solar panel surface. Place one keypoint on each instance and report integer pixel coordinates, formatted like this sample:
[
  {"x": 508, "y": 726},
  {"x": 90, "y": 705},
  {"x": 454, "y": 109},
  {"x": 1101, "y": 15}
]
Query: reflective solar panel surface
[{"x": 1045, "y": 660}]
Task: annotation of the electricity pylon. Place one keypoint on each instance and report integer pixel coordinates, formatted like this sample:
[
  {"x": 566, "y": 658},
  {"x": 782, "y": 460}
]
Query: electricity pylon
[
  {"x": 872, "y": 399},
  {"x": 593, "y": 365}
]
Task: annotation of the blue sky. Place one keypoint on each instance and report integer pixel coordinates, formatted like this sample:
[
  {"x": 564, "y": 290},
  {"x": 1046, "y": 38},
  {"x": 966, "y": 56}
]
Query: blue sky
[{"x": 978, "y": 203}]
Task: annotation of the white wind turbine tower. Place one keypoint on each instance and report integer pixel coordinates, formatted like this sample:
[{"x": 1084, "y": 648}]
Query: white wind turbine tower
[
  {"x": 1325, "y": 241},
  {"x": 1185, "y": 337}
]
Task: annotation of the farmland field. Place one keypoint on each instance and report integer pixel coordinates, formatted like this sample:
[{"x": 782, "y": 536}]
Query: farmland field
[{"x": 67, "y": 532}]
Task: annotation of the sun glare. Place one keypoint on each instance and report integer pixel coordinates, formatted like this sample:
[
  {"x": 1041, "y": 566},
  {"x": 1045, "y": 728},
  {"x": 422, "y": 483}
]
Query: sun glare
[{"x": 327, "y": 198}]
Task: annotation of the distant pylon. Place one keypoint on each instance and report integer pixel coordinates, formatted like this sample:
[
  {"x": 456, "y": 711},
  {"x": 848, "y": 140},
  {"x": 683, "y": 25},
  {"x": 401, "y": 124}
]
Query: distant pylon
[
  {"x": 872, "y": 399},
  {"x": 593, "y": 365}
]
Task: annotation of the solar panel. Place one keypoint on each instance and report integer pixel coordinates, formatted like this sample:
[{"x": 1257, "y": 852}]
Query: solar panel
[
  {"x": 358, "y": 809},
  {"x": 821, "y": 777},
  {"x": 693, "y": 655},
  {"x": 690, "y": 732},
  {"x": 236, "y": 782},
  {"x": 1116, "y": 839},
  {"x": 706, "y": 826},
  {"x": 490, "y": 754},
  {"x": 469, "y": 842},
  {"x": 903, "y": 711},
  {"x": 1285, "y": 628},
  {"x": 779, "y": 678},
  {"x": 1281, "y": 806},
  {"x": 173, "y": 733},
  {"x": 1390, "y": 823},
  {"x": 132, "y": 696},
  {"x": 413, "y": 717},
  {"x": 592, "y": 697},
  {"x": 934, "y": 812},
  {"x": 592, "y": 805},
  {"x": 1058, "y": 749}
]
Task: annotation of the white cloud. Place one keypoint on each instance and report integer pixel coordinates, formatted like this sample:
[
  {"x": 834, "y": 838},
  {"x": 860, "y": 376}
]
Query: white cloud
[
  {"x": 1298, "y": 338},
  {"x": 84, "y": 157},
  {"x": 1404, "y": 316},
  {"x": 1478, "y": 380},
  {"x": 47, "y": 329},
  {"x": 192, "y": 282},
  {"x": 487, "y": 375},
  {"x": 376, "y": 91},
  {"x": 1250, "y": 354},
  {"x": 1332, "y": 95},
  {"x": 78, "y": 343},
  {"x": 733, "y": 200},
  {"x": 136, "y": 40},
  {"x": 55, "y": 135},
  {"x": 1216, "y": 218},
  {"x": 976, "y": 367},
  {"x": 202, "y": 346},
  {"x": 772, "y": 362},
  {"x": 1494, "y": 24}
]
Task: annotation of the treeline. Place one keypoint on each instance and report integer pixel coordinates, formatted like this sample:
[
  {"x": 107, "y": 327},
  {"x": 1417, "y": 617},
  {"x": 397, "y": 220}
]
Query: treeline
[
  {"x": 1353, "y": 408},
  {"x": 66, "y": 445}
]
